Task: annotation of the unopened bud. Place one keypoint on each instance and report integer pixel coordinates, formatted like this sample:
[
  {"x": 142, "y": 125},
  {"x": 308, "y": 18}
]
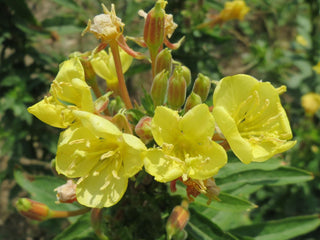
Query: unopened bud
[
  {"x": 143, "y": 129},
  {"x": 159, "y": 88},
  {"x": 163, "y": 61},
  {"x": 186, "y": 74},
  {"x": 89, "y": 73},
  {"x": 66, "y": 193},
  {"x": 193, "y": 100},
  {"x": 202, "y": 86},
  {"x": 32, "y": 209},
  {"x": 177, "y": 89},
  {"x": 102, "y": 102},
  {"x": 177, "y": 221},
  {"x": 154, "y": 27}
]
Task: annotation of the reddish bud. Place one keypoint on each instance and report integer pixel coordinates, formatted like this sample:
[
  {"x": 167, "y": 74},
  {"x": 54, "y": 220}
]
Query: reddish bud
[
  {"x": 202, "y": 86},
  {"x": 154, "y": 27},
  {"x": 177, "y": 89},
  {"x": 159, "y": 88},
  {"x": 121, "y": 121},
  {"x": 163, "y": 61},
  {"x": 193, "y": 100},
  {"x": 143, "y": 129},
  {"x": 32, "y": 209},
  {"x": 177, "y": 221}
]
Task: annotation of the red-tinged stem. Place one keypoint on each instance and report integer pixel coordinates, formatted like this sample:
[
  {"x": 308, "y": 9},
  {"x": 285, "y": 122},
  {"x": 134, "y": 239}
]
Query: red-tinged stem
[
  {"x": 96, "y": 223},
  {"x": 64, "y": 214},
  {"x": 122, "y": 85}
]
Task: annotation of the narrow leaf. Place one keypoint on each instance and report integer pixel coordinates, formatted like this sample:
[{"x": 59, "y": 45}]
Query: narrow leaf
[{"x": 283, "y": 229}]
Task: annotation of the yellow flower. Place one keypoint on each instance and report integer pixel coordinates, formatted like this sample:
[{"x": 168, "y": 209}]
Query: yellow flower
[
  {"x": 316, "y": 68},
  {"x": 301, "y": 40},
  {"x": 186, "y": 149},
  {"x": 250, "y": 116},
  {"x": 103, "y": 65},
  {"x": 106, "y": 26},
  {"x": 101, "y": 156},
  {"x": 234, "y": 10},
  {"x": 311, "y": 103},
  {"x": 68, "y": 90}
]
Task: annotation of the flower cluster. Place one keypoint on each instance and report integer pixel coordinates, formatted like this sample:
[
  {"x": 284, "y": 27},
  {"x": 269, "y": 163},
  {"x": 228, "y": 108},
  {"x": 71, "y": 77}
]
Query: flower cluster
[{"x": 103, "y": 144}]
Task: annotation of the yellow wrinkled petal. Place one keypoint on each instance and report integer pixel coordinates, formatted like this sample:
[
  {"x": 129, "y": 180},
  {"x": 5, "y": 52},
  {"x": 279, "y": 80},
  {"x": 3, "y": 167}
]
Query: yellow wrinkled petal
[
  {"x": 98, "y": 125},
  {"x": 163, "y": 167},
  {"x": 165, "y": 125},
  {"x": 52, "y": 112},
  {"x": 100, "y": 188},
  {"x": 198, "y": 132}
]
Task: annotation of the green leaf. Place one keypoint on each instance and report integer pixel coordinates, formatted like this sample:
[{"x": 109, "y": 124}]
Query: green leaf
[
  {"x": 80, "y": 229},
  {"x": 41, "y": 189},
  {"x": 283, "y": 229},
  {"x": 226, "y": 201},
  {"x": 276, "y": 177},
  {"x": 201, "y": 228}
]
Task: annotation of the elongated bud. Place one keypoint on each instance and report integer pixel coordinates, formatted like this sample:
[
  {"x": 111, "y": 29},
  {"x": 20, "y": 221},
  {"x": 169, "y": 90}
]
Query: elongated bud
[
  {"x": 177, "y": 221},
  {"x": 159, "y": 88},
  {"x": 154, "y": 27},
  {"x": 32, "y": 209},
  {"x": 163, "y": 61},
  {"x": 143, "y": 129},
  {"x": 177, "y": 89},
  {"x": 202, "y": 86},
  {"x": 193, "y": 100},
  {"x": 186, "y": 74}
]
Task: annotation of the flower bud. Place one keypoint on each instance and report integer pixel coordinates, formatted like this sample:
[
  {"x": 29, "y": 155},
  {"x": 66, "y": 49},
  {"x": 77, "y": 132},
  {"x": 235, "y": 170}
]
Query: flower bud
[
  {"x": 163, "y": 61},
  {"x": 154, "y": 27},
  {"x": 311, "y": 103},
  {"x": 177, "y": 89},
  {"x": 202, "y": 86},
  {"x": 186, "y": 74},
  {"x": 193, "y": 100},
  {"x": 143, "y": 129},
  {"x": 177, "y": 221},
  {"x": 66, "y": 193},
  {"x": 32, "y": 209},
  {"x": 159, "y": 88}
]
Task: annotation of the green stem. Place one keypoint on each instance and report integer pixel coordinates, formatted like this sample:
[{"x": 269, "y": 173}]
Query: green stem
[
  {"x": 122, "y": 85},
  {"x": 96, "y": 222}
]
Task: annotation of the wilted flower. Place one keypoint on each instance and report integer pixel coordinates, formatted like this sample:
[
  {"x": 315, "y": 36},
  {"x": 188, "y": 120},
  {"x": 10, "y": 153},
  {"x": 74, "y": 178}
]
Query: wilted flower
[
  {"x": 66, "y": 193},
  {"x": 101, "y": 156},
  {"x": 68, "y": 90},
  {"x": 186, "y": 149},
  {"x": 250, "y": 116},
  {"x": 311, "y": 103}
]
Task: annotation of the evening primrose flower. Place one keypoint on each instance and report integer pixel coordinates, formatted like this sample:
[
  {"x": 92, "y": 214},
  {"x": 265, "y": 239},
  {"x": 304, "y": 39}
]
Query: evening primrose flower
[
  {"x": 311, "y": 103},
  {"x": 316, "y": 68},
  {"x": 250, "y": 116},
  {"x": 68, "y": 90},
  {"x": 101, "y": 156},
  {"x": 186, "y": 149},
  {"x": 234, "y": 10},
  {"x": 103, "y": 64}
]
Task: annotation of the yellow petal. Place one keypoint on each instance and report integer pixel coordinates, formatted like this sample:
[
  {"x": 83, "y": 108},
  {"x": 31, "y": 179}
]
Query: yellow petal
[
  {"x": 210, "y": 158},
  {"x": 165, "y": 125},
  {"x": 163, "y": 167},
  {"x": 77, "y": 154},
  {"x": 197, "y": 124},
  {"x": 100, "y": 188},
  {"x": 98, "y": 125},
  {"x": 52, "y": 112}
]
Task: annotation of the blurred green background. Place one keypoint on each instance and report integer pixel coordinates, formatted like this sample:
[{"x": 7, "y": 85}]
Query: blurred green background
[{"x": 37, "y": 35}]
